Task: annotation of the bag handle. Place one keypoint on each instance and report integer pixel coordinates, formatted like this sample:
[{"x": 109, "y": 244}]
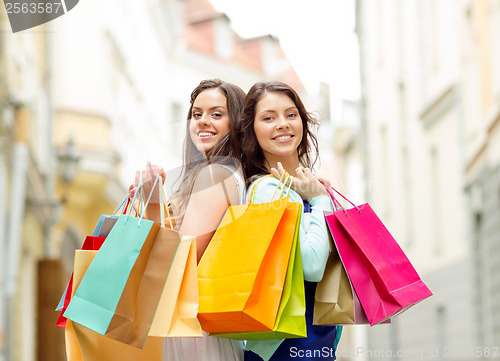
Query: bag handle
[
  {"x": 336, "y": 204},
  {"x": 139, "y": 186},
  {"x": 161, "y": 198},
  {"x": 163, "y": 205},
  {"x": 288, "y": 176},
  {"x": 335, "y": 200},
  {"x": 126, "y": 202},
  {"x": 143, "y": 213}
]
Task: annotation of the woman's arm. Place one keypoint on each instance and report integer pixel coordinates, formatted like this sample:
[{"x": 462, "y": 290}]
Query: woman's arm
[
  {"x": 215, "y": 188},
  {"x": 314, "y": 242}
]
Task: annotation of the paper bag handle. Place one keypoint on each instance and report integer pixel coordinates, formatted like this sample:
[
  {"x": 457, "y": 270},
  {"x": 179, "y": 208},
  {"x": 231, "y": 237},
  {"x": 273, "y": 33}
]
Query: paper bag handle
[{"x": 164, "y": 205}]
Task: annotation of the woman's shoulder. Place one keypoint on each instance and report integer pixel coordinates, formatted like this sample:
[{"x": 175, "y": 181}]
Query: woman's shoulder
[{"x": 216, "y": 173}]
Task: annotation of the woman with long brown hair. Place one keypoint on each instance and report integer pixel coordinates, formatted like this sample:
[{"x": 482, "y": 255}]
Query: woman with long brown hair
[
  {"x": 211, "y": 180},
  {"x": 276, "y": 137}
]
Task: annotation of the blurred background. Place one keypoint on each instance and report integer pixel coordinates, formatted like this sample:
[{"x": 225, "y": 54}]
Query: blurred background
[{"x": 407, "y": 93}]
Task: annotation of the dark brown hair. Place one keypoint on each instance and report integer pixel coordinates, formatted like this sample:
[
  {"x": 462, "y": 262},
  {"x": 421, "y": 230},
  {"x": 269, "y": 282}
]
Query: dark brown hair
[
  {"x": 225, "y": 151},
  {"x": 252, "y": 157}
]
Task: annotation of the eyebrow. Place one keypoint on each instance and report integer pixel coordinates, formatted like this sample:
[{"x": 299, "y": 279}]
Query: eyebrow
[
  {"x": 211, "y": 108},
  {"x": 274, "y": 111}
]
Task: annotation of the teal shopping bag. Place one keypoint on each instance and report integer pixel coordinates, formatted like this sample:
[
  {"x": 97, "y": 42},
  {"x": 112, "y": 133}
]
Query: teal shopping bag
[
  {"x": 127, "y": 246},
  {"x": 99, "y": 302},
  {"x": 102, "y": 229}
]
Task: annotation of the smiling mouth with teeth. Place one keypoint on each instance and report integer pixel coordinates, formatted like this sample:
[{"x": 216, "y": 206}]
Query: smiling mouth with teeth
[
  {"x": 283, "y": 137},
  {"x": 205, "y": 134}
]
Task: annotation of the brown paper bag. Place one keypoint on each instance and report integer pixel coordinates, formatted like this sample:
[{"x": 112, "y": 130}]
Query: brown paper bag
[
  {"x": 335, "y": 300},
  {"x": 141, "y": 295}
]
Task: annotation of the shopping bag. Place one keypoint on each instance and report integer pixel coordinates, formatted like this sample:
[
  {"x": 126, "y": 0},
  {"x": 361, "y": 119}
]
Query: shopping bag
[
  {"x": 176, "y": 315},
  {"x": 290, "y": 320},
  {"x": 90, "y": 243},
  {"x": 134, "y": 313},
  {"x": 102, "y": 228},
  {"x": 335, "y": 301},
  {"x": 242, "y": 272},
  {"x": 381, "y": 274},
  {"x": 83, "y": 344},
  {"x": 108, "y": 296},
  {"x": 107, "y": 221}
]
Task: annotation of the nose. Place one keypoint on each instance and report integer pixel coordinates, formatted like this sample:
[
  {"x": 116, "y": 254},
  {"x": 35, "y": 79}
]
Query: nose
[
  {"x": 204, "y": 120},
  {"x": 282, "y": 123}
]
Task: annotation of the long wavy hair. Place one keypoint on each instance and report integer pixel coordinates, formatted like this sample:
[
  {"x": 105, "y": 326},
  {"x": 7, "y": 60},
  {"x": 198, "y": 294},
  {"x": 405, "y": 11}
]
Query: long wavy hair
[
  {"x": 252, "y": 157},
  {"x": 226, "y": 151}
]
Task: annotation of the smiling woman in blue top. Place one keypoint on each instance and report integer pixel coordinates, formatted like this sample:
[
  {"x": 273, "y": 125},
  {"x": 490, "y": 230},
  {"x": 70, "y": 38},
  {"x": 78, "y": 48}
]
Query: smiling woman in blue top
[{"x": 276, "y": 137}]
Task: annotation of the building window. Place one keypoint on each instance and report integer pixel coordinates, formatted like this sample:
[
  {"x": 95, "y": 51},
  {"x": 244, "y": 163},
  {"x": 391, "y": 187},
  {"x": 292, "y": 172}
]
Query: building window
[{"x": 224, "y": 41}]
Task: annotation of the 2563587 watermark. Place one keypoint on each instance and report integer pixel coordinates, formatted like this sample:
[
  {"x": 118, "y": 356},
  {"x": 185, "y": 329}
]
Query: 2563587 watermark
[
  {"x": 26, "y": 14},
  {"x": 455, "y": 353},
  {"x": 33, "y": 8}
]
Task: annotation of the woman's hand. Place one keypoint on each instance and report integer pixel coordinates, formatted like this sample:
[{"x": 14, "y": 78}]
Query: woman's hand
[
  {"x": 304, "y": 183},
  {"x": 148, "y": 178},
  {"x": 131, "y": 193},
  {"x": 323, "y": 180}
]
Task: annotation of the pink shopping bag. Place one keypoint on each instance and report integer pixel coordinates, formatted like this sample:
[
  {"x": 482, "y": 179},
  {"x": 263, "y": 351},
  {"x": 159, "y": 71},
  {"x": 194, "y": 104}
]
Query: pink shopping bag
[{"x": 384, "y": 279}]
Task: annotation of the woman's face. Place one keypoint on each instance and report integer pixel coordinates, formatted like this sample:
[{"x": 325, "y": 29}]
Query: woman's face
[
  {"x": 278, "y": 126},
  {"x": 209, "y": 119}
]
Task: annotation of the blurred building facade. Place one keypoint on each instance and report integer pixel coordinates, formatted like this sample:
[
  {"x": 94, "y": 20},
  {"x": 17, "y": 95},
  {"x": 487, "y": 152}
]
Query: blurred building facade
[
  {"x": 106, "y": 87},
  {"x": 430, "y": 130}
]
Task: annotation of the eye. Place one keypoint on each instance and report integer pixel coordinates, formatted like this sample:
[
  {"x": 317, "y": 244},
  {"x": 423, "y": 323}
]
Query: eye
[
  {"x": 268, "y": 118},
  {"x": 292, "y": 115},
  {"x": 216, "y": 115},
  {"x": 196, "y": 115}
]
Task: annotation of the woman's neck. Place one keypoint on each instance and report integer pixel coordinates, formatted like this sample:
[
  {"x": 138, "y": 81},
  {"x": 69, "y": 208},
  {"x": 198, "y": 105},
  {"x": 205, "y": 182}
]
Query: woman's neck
[{"x": 290, "y": 163}]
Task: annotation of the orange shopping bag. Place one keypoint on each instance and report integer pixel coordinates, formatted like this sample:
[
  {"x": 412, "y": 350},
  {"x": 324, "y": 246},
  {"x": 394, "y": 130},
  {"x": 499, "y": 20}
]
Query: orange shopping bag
[{"x": 242, "y": 272}]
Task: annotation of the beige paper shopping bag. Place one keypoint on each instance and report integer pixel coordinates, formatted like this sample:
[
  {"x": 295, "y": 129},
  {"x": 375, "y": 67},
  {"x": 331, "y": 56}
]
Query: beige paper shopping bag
[
  {"x": 178, "y": 306},
  {"x": 335, "y": 301}
]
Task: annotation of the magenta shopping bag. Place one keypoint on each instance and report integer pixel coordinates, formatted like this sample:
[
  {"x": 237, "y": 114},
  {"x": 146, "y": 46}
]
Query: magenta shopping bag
[{"x": 384, "y": 279}]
